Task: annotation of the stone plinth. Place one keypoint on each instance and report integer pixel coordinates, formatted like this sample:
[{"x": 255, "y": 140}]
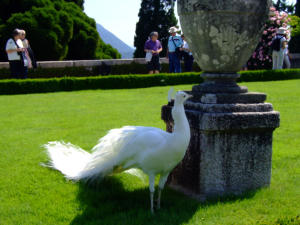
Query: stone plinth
[{"x": 230, "y": 150}]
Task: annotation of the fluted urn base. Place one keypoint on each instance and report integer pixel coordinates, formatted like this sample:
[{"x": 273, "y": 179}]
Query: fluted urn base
[{"x": 230, "y": 151}]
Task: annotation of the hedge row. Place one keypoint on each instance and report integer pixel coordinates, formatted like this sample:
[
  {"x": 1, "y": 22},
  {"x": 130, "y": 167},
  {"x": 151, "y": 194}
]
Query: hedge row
[
  {"x": 128, "y": 81},
  {"x": 124, "y": 69},
  {"x": 269, "y": 75},
  {"x": 101, "y": 82}
]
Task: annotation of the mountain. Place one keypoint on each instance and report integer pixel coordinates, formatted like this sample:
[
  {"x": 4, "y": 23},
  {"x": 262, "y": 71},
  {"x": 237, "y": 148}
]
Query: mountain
[{"x": 109, "y": 38}]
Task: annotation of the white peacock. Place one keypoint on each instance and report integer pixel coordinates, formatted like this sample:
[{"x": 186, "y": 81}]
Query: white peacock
[{"x": 154, "y": 151}]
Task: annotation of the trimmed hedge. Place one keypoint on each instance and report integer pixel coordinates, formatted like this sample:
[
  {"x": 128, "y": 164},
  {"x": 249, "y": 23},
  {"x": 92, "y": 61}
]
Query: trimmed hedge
[
  {"x": 125, "y": 69},
  {"x": 269, "y": 75},
  {"x": 14, "y": 86},
  {"x": 129, "y": 81}
]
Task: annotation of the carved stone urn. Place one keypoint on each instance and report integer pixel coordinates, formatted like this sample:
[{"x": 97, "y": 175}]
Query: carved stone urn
[
  {"x": 223, "y": 33},
  {"x": 230, "y": 151}
]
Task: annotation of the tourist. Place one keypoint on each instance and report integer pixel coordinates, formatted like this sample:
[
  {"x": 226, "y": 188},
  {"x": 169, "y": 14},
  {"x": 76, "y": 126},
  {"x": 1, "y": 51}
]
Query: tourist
[
  {"x": 278, "y": 47},
  {"x": 174, "y": 50},
  {"x": 286, "y": 57},
  {"x": 16, "y": 57},
  {"x": 187, "y": 56},
  {"x": 152, "y": 48},
  {"x": 28, "y": 51}
]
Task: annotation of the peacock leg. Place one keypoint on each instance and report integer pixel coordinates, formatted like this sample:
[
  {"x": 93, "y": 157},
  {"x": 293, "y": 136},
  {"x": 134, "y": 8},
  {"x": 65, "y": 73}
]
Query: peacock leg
[
  {"x": 152, "y": 189},
  {"x": 161, "y": 184}
]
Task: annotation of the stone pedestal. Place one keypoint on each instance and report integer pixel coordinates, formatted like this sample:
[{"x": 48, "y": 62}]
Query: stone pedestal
[{"x": 230, "y": 150}]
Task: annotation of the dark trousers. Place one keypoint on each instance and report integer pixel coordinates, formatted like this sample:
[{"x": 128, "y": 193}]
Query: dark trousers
[
  {"x": 174, "y": 63},
  {"x": 188, "y": 62},
  {"x": 18, "y": 70}
]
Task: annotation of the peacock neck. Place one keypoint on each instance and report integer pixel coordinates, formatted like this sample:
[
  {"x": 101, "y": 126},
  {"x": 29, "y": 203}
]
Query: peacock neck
[{"x": 181, "y": 124}]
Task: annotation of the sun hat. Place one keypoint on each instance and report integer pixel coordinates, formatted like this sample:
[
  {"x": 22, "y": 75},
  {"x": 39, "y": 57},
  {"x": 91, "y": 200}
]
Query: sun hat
[
  {"x": 281, "y": 30},
  {"x": 173, "y": 30}
]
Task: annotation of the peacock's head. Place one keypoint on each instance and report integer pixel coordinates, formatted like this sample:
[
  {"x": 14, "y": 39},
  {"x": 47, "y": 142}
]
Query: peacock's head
[{"x": 181, "y": 97}]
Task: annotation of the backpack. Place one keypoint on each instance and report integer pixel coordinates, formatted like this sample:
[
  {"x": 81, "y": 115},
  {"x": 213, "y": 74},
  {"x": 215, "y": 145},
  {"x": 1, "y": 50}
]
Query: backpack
[{"x": 276, "y": 43}]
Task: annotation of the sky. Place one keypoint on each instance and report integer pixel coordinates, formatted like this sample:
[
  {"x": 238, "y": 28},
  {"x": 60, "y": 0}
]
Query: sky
[{"x": 118, "y": 16}]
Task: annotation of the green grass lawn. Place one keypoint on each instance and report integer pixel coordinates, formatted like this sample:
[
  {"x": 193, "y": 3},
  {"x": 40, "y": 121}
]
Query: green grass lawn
[{"x": 31, "y": 194}]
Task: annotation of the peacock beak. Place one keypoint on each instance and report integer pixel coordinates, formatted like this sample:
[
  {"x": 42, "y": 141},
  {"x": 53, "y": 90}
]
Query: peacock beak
[{"x": 189, "y": 96}]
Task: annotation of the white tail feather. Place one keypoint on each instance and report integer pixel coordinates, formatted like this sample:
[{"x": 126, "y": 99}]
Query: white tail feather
[
  {"x": 67, "y": 158},
  {"x": 77, "y": 164}
]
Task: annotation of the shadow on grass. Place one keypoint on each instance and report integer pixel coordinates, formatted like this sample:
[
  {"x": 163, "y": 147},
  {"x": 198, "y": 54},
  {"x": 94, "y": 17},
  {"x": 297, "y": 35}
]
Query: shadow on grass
[{"x": 109, "y": 203}]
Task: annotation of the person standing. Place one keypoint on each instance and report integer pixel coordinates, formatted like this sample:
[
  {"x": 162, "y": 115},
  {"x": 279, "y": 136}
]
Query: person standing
[
  {"x": 286, "y": 57},
  {"x": 152, "y": 48},
  {"x": 174, "y": 50},
  {"x": 278, "y": 47},
  {"x": 28, "y": 51},
  {"x": 15, "y": 53},
  {"x": 187, "y": 56}
]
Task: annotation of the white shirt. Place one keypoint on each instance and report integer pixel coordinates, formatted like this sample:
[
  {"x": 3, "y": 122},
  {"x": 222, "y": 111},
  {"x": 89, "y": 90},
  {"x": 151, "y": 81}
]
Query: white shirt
[
  {"x": 11, "y": 45},
  {"x": 186, "y": 46},
  {"x": 20, "y": 44}
]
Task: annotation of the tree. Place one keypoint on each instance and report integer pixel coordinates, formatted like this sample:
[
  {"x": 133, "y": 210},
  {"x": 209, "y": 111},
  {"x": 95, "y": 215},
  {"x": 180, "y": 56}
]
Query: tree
[
  {"x": 282, "y": 5},
  {"x": 80, "y": 3},
  {"x": 294, "y": 44},
  {"x": 56, "y": 29},
  {"x": 154, "y": 15},
  {"x": 297, "y": 8}
]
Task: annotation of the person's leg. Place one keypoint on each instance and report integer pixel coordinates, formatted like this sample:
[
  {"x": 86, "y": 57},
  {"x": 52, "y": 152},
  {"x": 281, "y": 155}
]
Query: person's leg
[
  {"x": 177, "y": 64},
  {"x": 280, "y": 59},
  {"x": 156, "y": 64},
  {"x": 171, "y": 63},
  {"x": 275, "y": 60},
  {"x": 189, "y": 66},
  {"x": 24, "y": 72},
  {"x": 186, "y": 62},
  {"x": 20, "y": 69},
  {"x": 13, "y": 69},
  {"x": 150, "y": 67},
  {"x": 287, "y": 61}
]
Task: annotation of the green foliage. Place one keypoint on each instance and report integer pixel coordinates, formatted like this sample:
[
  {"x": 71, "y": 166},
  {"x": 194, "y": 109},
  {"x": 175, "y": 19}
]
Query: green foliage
[
  {"x": 154, "y": 15},
  {"x": 282, "y": 5},
  {"x": 297, "y": 8},
  {"x": 56, "y": 29},
  {"x": 129, "y": 81},
  {"x": 294, "y": 44},
  {"x": 85, "y": 83},
  {"x": 77, "y": 2},
  {"x": 123, "y": 69},
  {"x": 261, "y": 58},
  {"x": 32, "y": 194}
]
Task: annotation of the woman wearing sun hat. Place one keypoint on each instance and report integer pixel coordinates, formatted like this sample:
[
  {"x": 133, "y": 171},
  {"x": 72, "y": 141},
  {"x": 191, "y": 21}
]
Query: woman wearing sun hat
[{"x": 174, "y": 47}]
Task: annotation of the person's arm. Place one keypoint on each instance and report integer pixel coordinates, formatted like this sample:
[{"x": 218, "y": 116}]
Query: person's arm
[
  {"x": 14, "y": 50},
  {"x": 284, "y": 44},
  {"x": 159, "y": 50},
  {"x": 146, "y": 48},
  {"x": 181, "y": 44},
  {"x": 10, "y": 48}
]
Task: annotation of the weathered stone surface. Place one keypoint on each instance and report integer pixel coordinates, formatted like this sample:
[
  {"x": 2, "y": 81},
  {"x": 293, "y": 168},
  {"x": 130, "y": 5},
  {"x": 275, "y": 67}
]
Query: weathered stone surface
[
  {"x": 219, "y": 83},
  {"x": 229, "y": 98},
  {"x": 230, "y": 149},
  {"x": 222, "y": 34}
]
